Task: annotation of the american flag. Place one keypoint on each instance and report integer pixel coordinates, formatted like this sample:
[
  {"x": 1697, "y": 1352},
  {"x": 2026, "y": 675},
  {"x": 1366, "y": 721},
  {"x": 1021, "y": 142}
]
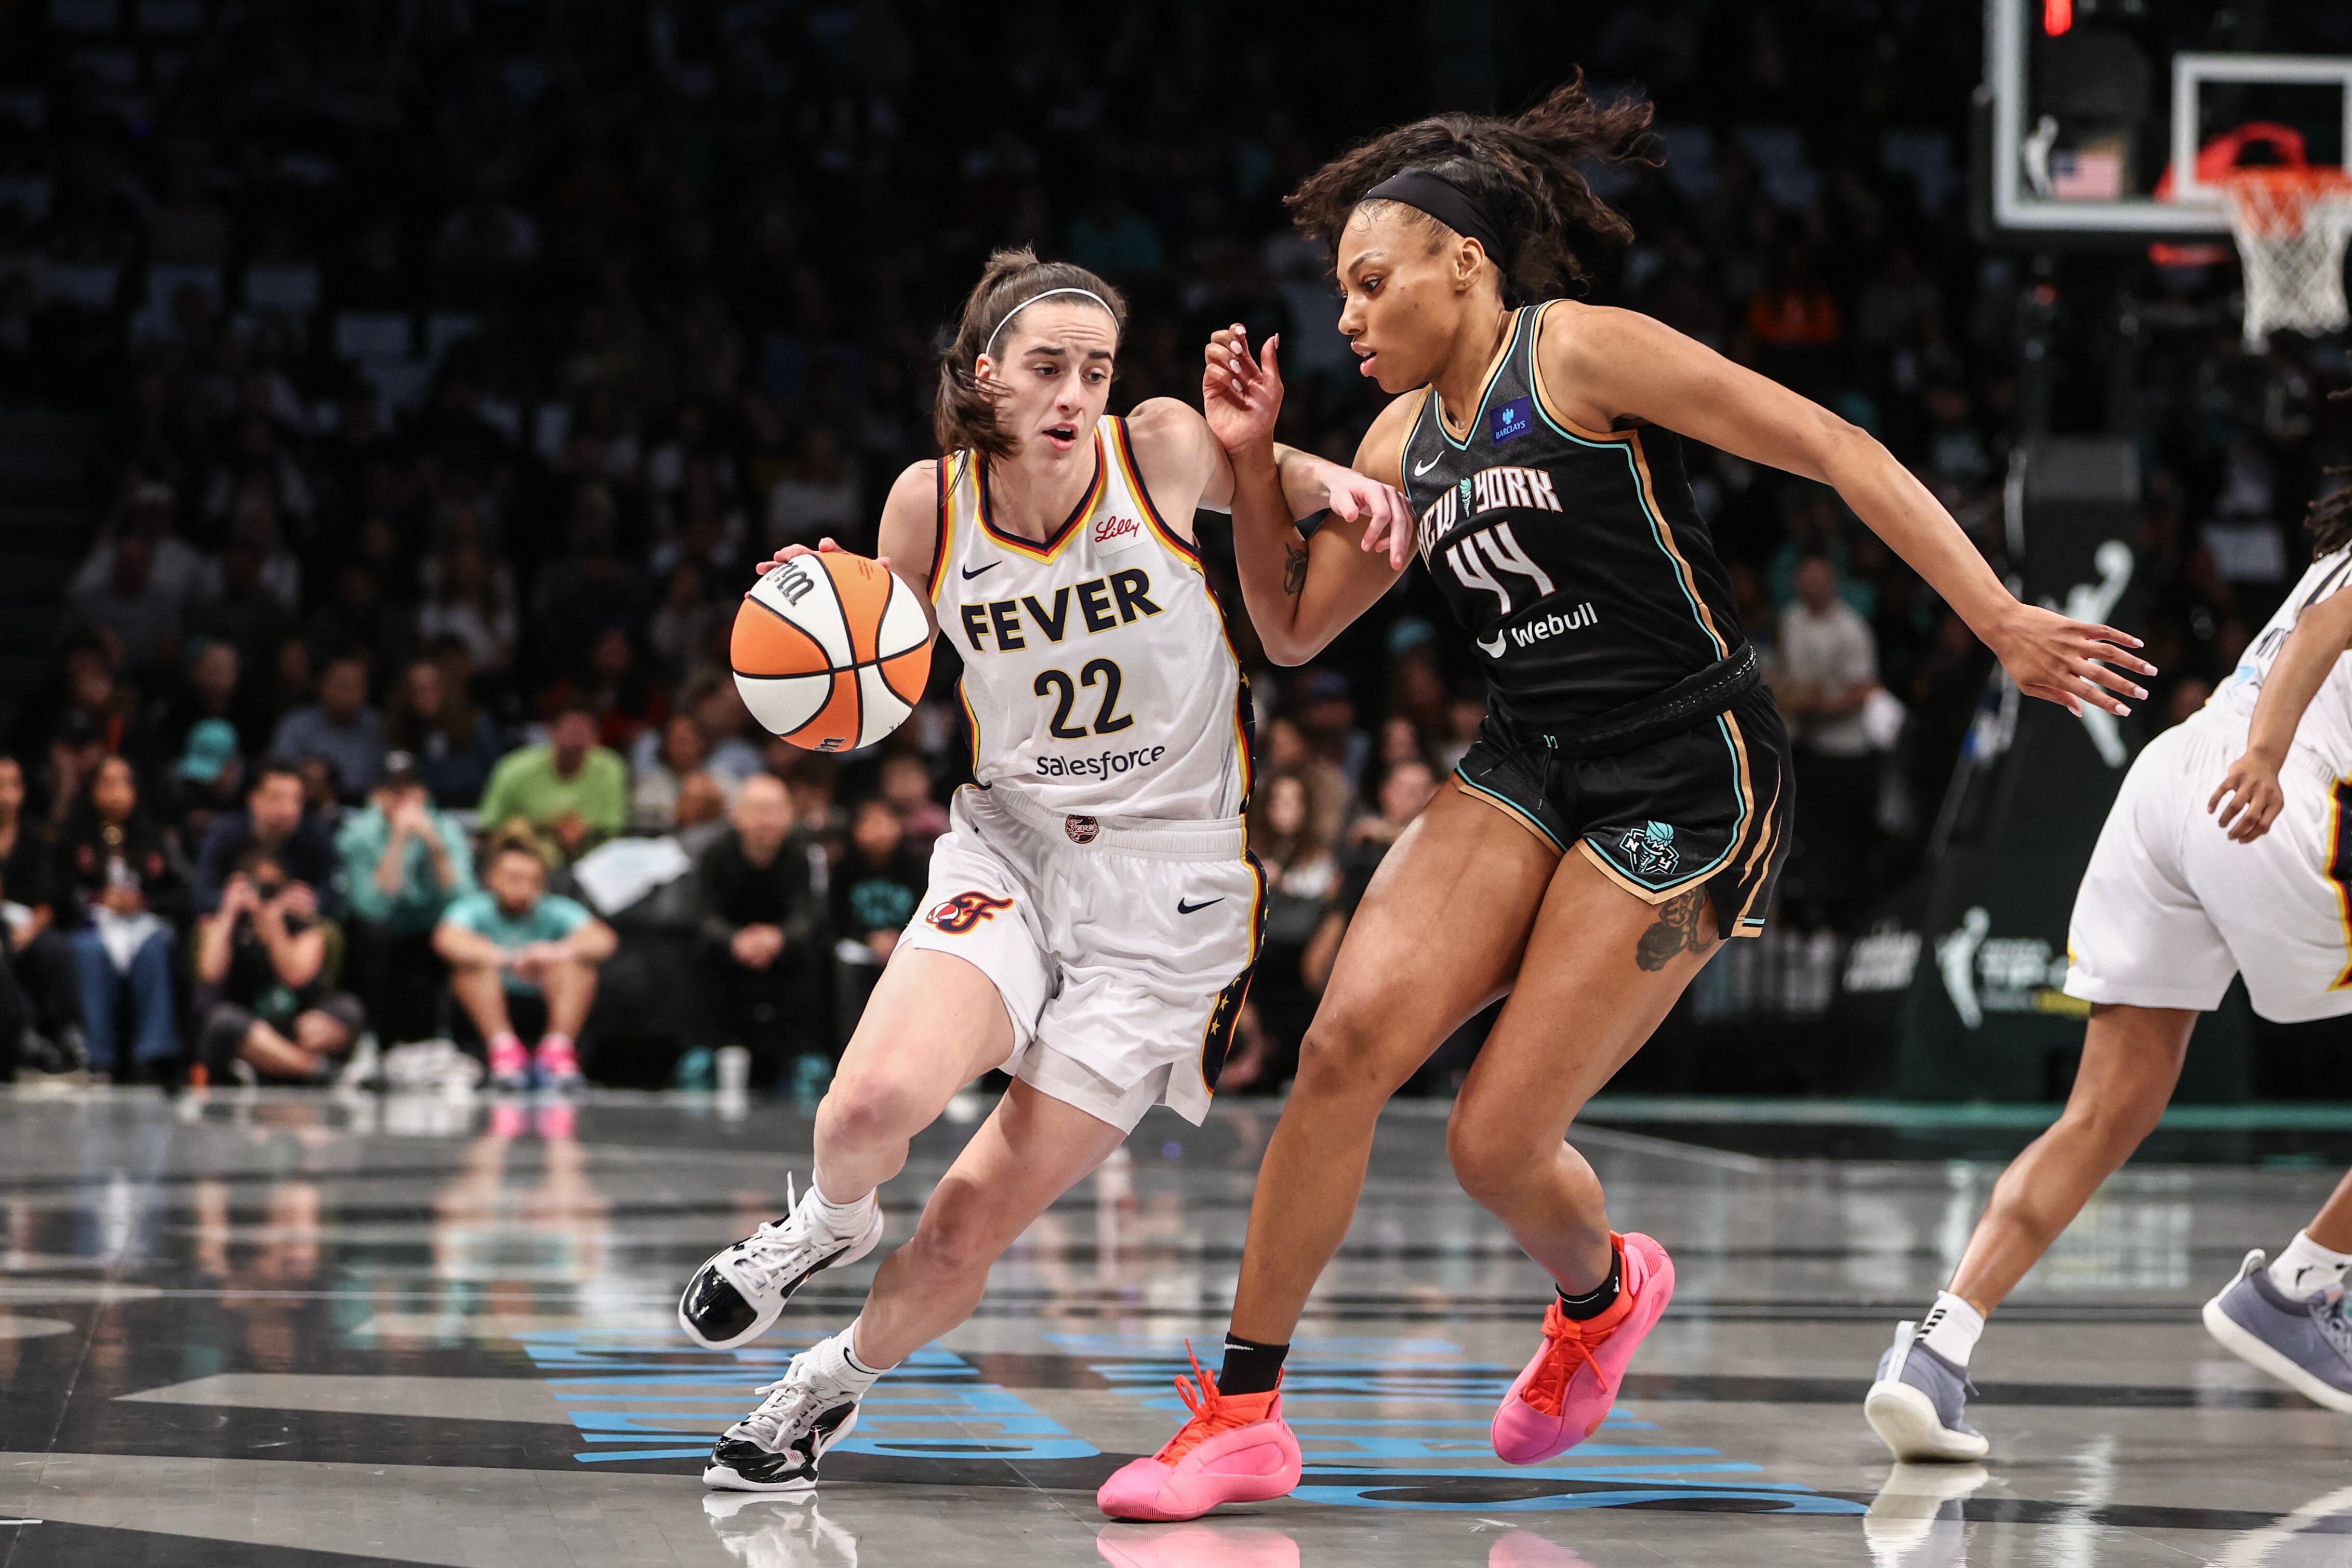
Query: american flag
[{"x": 2087, "y": 176}]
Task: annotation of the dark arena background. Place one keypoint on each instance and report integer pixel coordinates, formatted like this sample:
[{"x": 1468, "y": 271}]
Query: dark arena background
[{"x": 396, "y": 399}]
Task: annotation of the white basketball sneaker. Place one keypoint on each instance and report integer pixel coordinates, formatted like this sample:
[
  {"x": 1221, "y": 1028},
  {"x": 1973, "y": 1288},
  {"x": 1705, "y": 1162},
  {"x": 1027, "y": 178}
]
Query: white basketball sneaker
[{"x": 734, "y": 1298}]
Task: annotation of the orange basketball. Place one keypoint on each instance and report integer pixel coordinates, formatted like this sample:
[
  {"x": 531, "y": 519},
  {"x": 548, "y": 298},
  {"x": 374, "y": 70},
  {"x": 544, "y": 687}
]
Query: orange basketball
[{"x": 831, "y": 651}]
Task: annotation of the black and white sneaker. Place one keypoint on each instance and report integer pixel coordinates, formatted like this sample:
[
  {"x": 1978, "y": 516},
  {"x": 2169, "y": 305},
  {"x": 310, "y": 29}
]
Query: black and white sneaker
[
  {"x": 734, "y": 1296},
  {"x": 805, "y": 1412}
]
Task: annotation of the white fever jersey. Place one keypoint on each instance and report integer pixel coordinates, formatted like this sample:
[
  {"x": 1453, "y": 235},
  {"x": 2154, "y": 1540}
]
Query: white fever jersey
[
  {"x": 1099, "y": 681},
  {"x": 2327, "y": 728}
]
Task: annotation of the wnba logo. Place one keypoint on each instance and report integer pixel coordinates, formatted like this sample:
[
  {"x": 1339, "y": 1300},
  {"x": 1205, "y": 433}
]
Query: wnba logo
[{"x": 964, "y": 911}]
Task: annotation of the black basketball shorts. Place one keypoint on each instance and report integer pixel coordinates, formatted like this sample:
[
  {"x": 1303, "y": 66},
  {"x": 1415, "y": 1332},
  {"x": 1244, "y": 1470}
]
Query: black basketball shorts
[{"x": 1708, "y": 805}]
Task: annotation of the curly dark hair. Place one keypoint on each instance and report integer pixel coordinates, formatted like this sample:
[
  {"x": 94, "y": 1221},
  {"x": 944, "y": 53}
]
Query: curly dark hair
[
  {"x": 963, "y": 416},
  {"x": 1525, "y": 172}
]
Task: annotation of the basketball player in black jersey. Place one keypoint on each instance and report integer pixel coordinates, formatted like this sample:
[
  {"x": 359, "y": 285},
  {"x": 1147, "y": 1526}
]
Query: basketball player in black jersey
[{"x": 1627, "y": 805}]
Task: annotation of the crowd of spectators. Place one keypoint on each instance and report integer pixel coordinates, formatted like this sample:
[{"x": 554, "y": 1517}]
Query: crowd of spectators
[{"x": 460, "y": 357}]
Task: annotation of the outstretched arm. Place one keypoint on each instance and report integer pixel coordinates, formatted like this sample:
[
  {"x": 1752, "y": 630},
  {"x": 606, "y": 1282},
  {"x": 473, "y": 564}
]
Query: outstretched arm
[
  {"x": 1621, "y": 363},
  {"x": 2321, "y": 634},
  {"x": 1302, "y": 592}
]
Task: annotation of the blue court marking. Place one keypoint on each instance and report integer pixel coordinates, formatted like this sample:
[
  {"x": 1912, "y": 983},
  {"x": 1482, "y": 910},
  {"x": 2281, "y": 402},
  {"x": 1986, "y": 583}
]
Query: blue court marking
[
  {"x": 1393, "y": 1461},
  {"x": 935, "y": 1406}
]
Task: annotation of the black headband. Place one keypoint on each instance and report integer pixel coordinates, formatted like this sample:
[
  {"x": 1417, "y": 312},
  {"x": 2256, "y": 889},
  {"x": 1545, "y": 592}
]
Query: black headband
[{"x": 1448, "y": 203}]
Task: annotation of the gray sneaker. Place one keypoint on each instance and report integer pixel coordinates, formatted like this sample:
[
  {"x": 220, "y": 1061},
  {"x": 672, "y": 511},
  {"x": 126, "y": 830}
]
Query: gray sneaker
[
  {"x": 1920, "y": 1405},
  {"x": 2306, "y": 1345}
]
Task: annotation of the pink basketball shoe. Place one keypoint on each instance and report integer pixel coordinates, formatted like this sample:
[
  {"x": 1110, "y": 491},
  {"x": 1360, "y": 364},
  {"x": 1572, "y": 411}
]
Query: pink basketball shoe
[
  {"x": 1236, "y": 1448},
  {"x": 1569, "y": 1388}
]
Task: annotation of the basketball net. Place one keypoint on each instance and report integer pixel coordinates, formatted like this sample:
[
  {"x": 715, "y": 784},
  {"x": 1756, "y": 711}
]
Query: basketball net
[{"x": 2291, "y": 223}]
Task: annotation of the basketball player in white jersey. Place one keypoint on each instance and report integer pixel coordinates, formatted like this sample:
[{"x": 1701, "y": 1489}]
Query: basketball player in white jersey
[
  {"x": 1093, "y": 914},
  {"x": 2225, "y": 853}
]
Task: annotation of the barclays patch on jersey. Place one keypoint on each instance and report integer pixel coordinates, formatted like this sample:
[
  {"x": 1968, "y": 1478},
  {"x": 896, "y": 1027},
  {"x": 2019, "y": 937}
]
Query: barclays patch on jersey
[{"x": 1513, "y": 419}]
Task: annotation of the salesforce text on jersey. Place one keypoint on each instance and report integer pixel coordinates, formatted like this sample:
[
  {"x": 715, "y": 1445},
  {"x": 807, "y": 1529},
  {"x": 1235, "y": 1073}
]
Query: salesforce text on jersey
[{"x": 1102, "y": 766}]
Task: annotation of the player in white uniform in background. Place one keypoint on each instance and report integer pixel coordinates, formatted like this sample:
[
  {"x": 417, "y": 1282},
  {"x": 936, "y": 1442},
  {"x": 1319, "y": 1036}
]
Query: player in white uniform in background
[
  {"x": 2228, "y": 852},
  {"x": 1093, "y": 912}
]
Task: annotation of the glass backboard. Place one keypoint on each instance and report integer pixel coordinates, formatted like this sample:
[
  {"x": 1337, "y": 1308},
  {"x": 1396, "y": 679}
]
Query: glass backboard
[{"x": 2113, "y": 118}]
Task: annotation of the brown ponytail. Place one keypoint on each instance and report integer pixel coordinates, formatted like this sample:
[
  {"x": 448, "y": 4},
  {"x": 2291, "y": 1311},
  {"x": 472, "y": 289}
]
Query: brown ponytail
[
  {"x": 1523, "y": 171},
  {"x": 963, "y": 417}
]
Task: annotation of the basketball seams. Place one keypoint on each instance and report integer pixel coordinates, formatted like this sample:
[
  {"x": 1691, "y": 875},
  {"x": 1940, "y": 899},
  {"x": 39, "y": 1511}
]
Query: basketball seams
[{"x": 820, "y": 697}]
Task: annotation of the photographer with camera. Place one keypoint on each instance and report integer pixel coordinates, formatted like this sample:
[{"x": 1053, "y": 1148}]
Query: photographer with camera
[{"x": 264, "y": 1008}]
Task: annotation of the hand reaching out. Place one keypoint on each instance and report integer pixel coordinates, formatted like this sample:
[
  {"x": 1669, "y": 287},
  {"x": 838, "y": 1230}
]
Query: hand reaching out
[
  {"x": 1241, "y": 396},
  {"x": 2067, "y": 661}
]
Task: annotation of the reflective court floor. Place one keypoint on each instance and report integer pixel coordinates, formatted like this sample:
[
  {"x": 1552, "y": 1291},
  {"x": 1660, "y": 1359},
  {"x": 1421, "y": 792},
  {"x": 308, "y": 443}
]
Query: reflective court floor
[{"x": 281, "y": 1330}]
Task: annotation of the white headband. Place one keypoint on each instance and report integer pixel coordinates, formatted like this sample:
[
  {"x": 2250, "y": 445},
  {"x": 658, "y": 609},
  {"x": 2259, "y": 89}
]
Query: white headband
[{"x": 1048, "y": 294}]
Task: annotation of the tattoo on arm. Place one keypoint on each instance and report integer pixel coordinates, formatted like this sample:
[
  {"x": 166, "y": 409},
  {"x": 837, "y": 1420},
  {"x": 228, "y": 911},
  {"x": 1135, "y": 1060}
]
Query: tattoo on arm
[
  {"x": 1294, "y": 568},
  {"x": 1682, "y": 927}
]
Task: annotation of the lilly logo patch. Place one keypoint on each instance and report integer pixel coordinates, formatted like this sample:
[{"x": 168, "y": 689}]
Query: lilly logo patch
[{"x": 1117, "y": 532}]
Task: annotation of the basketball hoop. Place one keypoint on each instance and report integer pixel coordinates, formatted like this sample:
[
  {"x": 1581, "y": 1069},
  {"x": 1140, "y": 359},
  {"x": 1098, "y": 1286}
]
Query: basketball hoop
[{"x": 2291, "y": 224}]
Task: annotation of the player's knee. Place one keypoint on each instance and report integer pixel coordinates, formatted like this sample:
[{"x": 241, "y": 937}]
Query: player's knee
[
  {"x": 1343, "y": 1057},
  {"x": 952, "y": 1246},
  {"x": 1489, "y": 1164},
  {"x": 870, "y": 1108}
]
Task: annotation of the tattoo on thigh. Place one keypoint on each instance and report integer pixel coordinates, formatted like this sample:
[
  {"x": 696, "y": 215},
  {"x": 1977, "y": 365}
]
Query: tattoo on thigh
[
  {"x": 1682, "y": 927},
  {"x": 1294, "y": 568}
]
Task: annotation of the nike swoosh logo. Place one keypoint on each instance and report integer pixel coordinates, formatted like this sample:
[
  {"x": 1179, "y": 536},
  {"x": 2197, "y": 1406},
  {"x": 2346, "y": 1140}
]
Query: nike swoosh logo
[
  {"x": 1494, "y": 651},
  {"x": 1429, "y": 465},
  {"x": 1184, "y": 909},
  {"x": 969, "y": 574}
]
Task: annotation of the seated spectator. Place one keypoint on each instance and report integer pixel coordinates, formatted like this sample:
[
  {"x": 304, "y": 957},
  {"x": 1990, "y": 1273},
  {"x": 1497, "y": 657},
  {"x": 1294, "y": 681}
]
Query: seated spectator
[
  {"x": 653, "y": 802},
  {"x": 702, "y": 806},
  {"x": 265, "y": 1007},
  {"x": 118, "y": 871},
  {"x": 763, "y": 922},
  {"x": 1293, "y": 840},
  {"x": 434, "y": 719},
  {"x": 1403, "y": 793},
  {"x": 625, "y": 698},
  {"x": 1826, "y": 671},
  {"x": 472, "y": 600},
  {"x": 907, "y": 785},
  {"x": 726, "y": 724},
  {"x": 878, "y": 881},
  {"x": 403, "y": 864},
  {"x": 207, "y": 689},
  {"x": 205, "y": 781},
  {"x": 274, "y": 822},
  {"x": 143, "y": 583},
  {"x": 571, "y": 792},
  {"x": 1406, "y": 788},
  {"x": 339, "y": 726},
  {"x": 39, "y": 954},
  {"x": 512, "y": 941}
]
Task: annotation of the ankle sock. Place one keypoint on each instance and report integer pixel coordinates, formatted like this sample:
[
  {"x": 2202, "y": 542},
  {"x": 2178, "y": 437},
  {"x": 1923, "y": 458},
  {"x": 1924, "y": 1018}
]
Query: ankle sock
[
  {"x": 2304, "y": 1268},
  {"x": 837, "y": 1359},
  {"x": 1601, "y": 1297},
  {"x": 1950, "y": 1328},
  {"x": 1250, "y": 1367},
  {"x": 505, "y": 1048},
  {"x": 841, "y": 1219}
]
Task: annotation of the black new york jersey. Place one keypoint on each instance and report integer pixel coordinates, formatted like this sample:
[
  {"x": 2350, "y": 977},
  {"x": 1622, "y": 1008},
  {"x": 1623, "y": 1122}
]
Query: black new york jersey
[{"x": 1575, "y": 557}]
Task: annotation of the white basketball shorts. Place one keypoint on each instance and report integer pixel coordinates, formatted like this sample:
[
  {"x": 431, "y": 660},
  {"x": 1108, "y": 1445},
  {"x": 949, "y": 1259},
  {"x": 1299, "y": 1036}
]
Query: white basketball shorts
[
  {"x": 1122, "y": 947},
  {"x": 2170, "y": 909}
]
